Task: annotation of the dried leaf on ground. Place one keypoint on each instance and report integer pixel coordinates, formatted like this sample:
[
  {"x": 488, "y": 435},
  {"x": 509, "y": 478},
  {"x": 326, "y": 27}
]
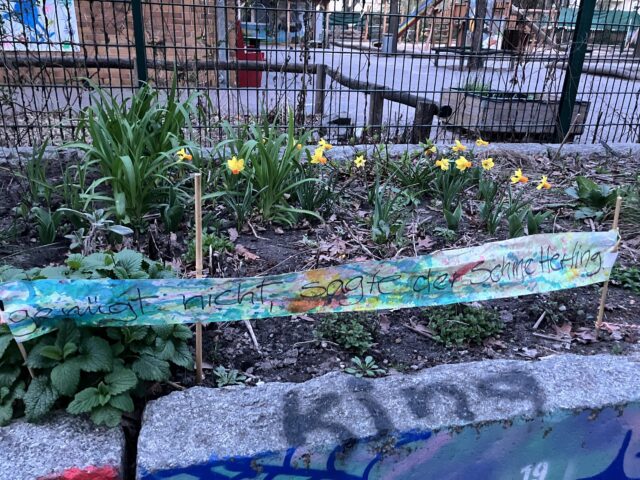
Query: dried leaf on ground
[
  {"x": 585, "y": 335},
  {"x": 384, "y": 323},
  {"x": 245, "y": 253},
  {"x": 233, "y": 234},
  {"x": 563, "y": 331},
  {"x": 425, "y": 243}
]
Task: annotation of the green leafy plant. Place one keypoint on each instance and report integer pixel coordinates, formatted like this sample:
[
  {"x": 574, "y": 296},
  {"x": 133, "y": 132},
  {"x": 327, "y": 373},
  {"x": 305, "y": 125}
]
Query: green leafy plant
[
  {"x": 210, "y": 242},
  {"x": 39, "y": 187},
  {"x": 626, "y": 277},
  {"x": 125, "y": 264},
  {"x": 446, "y": 234},
  {"x": 273, "y": 172},
  {"x": 316, "y": 196},
  {"x": 97, "y": 222},
  {"x": 58, "y": 361},
  {"x": 594, "y": 199},
  {"x": 90, "y": 370},
  {"x": 462, "y": 325},
  {"x": 74, "y": 184},
  {"x": 365, "y": 368},
  {"x": 353, "y": 332},
  {"x": 413, "y": 171},
  {"x": 453, "y": 218},
  {"x": 449, "y": 184},
  {"x": 492, "y": 206},
  {"x": 12, "y": 378},
  {"x": 133, "y": 146},
  {"x": 107, "y": 401},
  {"x": 150, "y": 351},
  {"x": 227, "y": 377},
  {"x": 387, "y": 218},
  {"x": 47, "y": 223},
  {"x": 534, "y": 220},
  {"x": 172, "y": 212}
]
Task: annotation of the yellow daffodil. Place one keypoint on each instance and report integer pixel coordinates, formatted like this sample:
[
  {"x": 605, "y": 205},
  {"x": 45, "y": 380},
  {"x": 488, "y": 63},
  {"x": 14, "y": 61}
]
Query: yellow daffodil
[
  {"x": 183, "y": 155},
  {"x": 359, "y": 161},
  {"x": 299, "y": 146},
  {"x": 544, "y": 184},
  {"x": 481, "y": 143},
  {"x": 318, "y": 156},
  {"x": 458, "y": 147},
  {"x": 518, "y": 177},
  {"x": 487, "y": 163},
  {"x": 462, "y": 164},
  {"x": 432, "y": 150},
  {"x": 236, "y": 165},
  {"x": 443, "y": 163},
  {"x": 324, "y": 144}
]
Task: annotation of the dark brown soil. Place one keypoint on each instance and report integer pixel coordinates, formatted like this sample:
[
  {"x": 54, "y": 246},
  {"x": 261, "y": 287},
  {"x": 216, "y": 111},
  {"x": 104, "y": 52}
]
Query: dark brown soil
[{"x": 290, "y": 349}]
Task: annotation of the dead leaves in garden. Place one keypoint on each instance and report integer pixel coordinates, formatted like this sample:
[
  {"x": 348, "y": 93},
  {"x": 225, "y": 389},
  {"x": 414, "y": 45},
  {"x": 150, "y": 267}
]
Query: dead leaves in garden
[{"x": 243, "y": 252}]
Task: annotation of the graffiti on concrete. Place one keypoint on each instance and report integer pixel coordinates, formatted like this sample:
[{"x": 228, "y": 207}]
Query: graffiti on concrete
[
  {"x": 567, "y": 445},
  {"x": 88, "y": 473}
]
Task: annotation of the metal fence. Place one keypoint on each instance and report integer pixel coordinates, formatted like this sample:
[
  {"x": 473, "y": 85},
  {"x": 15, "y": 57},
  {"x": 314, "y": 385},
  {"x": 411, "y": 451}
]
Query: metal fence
[{"x": 401, "y": 71}]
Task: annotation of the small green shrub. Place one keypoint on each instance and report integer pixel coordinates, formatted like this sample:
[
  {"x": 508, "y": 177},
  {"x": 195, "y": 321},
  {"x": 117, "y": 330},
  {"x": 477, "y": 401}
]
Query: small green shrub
[
  {"x": 365, "y": 368},
  {"x": 593, "y": 199},
  {"x": 226, "y": 377},
  {"x": 461, "y": 325},
  {"x": 132, "y": 149},
  {"x": 12, "y": 377},
  {"x": 626, "y": 277},
  {"x": 271, "y": 173},
  {"x": 89, "y": 370},
  {"x": 353, "y": 332},
  {"x": 210, "y": 241},
  {"x": 388, "y": 216}
]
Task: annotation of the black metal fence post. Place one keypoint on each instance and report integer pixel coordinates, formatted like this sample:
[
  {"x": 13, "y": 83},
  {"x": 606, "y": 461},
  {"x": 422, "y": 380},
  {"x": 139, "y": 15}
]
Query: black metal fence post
[
  {"x": 574, "y": 68},
  {"x": 140, "y": 44}
]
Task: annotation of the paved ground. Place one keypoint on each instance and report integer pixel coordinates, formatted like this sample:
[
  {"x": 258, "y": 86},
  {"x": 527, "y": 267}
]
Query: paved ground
[{"x": 614, "y": 105}]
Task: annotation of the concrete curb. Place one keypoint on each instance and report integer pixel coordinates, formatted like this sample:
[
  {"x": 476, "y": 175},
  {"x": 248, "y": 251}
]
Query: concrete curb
[
  {"x": 498, "y": 417},
  {"x": 60, "y": 448}
]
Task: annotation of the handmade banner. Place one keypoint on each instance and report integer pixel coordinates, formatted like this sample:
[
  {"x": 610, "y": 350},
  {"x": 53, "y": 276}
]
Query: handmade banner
[{"x": 520, "y": 266}]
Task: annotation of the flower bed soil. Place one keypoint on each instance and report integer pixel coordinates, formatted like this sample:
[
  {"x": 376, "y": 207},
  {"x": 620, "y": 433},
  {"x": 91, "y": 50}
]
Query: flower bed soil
[{"x": 534, "y": 326}]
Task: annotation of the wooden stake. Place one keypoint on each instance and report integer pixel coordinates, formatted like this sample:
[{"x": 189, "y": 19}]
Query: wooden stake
[
  {"x": 23, "y": 352},
  {"x": 197, "y": 180},
  {"x": 605, "y": 287}
]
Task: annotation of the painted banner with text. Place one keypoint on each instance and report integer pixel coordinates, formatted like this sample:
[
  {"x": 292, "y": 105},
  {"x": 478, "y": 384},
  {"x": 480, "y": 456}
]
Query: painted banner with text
[{"x": 520, "y": 266}]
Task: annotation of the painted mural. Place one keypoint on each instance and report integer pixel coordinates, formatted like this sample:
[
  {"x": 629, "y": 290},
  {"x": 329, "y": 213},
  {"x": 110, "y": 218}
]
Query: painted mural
[
  {"x": 88, "y": 473},
  {"x": 41, "y": 25},
  {"x": 586, "y": 445}
]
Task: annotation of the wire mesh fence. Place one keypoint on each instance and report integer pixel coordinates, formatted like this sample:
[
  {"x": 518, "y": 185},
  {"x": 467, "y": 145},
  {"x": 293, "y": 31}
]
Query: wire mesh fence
[{"x": 388, "y": 72}]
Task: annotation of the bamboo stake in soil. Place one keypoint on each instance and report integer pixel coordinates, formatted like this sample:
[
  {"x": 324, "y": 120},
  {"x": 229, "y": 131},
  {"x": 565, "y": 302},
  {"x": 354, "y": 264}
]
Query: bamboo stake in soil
[
  {"x": 197, "y": 180},
  {"x": 605, "y": 287}
]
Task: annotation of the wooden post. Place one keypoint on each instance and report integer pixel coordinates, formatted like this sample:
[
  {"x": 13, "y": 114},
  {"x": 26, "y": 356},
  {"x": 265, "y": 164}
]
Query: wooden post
[
  {"x": 475, "y": 60},
  {"x": 422, "y": 122},
  {"x": 376, "y": 104},
  {"x": 197, "y": 180},
  {"x": 321, "y": 81},
  {"x": 23, "y": 352},
  {"x": 605, "y": 287}
]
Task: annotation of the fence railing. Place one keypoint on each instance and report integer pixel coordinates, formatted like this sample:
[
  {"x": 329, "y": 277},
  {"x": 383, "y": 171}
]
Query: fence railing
[{"x": 418, "y": 70}]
